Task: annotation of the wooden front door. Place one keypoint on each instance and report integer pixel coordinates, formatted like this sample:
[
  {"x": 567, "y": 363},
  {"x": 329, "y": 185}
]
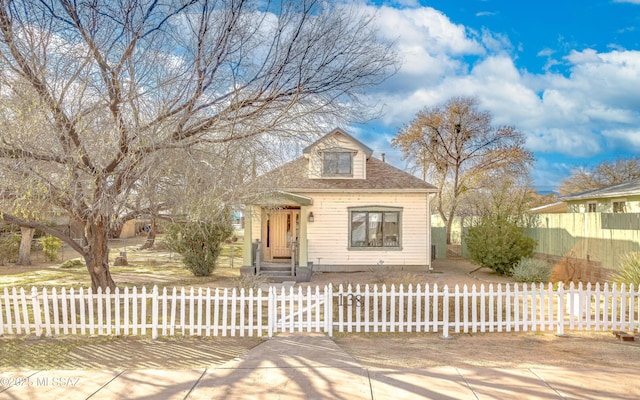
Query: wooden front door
[{"x": 282, "y": 227}]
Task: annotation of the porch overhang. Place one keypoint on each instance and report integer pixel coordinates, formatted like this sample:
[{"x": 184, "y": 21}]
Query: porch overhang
[{"x": 280, "y": 198}]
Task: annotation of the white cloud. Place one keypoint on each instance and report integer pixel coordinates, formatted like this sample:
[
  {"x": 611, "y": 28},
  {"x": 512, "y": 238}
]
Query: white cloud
[
  {"x": 443, "y": 59},
  {"x": 629, "y": 138},
  {"x": 589, "y": 107}
]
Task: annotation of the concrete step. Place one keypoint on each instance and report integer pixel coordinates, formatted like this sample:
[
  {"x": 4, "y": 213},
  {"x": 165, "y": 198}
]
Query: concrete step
[{"x": 275, "y": 273}]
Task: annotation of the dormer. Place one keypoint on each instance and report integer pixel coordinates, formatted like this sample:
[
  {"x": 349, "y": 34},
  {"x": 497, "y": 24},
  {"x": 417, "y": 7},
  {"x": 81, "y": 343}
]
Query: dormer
[{"x": 337, "y": 155}]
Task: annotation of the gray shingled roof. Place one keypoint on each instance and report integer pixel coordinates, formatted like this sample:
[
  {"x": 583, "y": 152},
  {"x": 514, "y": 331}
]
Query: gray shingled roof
[
  {"x": 629, "y": 188},
  {"x": 292, "y": 177}
]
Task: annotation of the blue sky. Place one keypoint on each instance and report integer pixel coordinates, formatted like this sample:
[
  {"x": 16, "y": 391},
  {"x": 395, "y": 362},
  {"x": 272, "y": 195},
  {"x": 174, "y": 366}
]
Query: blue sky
[{"x": 565, "y": 73}]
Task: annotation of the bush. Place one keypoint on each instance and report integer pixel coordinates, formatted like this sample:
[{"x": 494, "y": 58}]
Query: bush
[
  {"x": 498, "y": 243},
  {"x": 199, "y": 243},
  {"x": 628, "y": 270},
  {"x": 9, "y": 248},
  {"x": 51, "y": 245},
  {"x": 532, "y": 270},
  {"x": 75, "y": 262}
]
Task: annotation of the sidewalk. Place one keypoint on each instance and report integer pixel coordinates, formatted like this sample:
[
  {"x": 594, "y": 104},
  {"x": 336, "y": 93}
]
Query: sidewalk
[{"x": 314, "y": 367}]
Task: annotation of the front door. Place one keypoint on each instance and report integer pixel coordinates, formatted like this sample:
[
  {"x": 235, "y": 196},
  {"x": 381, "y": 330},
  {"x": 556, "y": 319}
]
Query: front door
[{"x": 283, "y": 226}]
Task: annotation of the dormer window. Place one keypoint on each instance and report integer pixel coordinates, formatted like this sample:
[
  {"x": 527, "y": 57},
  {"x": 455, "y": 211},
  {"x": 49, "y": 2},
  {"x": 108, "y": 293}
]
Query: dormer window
[{"x": 337, "y": 163}]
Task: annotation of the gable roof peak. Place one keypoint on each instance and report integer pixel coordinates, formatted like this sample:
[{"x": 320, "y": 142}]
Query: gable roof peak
[{"x": 338, "y": 131}]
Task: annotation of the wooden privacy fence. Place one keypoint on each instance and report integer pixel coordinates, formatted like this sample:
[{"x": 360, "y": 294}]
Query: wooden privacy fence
[{"x": 231, "y": 312}]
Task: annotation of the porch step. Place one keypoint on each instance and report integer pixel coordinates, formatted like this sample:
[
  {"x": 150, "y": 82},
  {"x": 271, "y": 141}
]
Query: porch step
[
  {"x": 275, "y": 273},
  {"x": 283, "y": 267}
]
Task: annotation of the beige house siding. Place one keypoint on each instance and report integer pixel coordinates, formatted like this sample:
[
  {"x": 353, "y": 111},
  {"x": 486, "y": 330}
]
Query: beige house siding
[
  {"x": 328, "y": 235},
  {"x": 341, "y": 142},
  {"x": 632, "y": 204}
]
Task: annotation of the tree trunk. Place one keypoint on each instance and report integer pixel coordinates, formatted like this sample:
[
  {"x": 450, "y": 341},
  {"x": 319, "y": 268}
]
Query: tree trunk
[
  {"x": 116, "y": 228},
  {"x": 151, "y": 236},
  {"x": 24, "y": 257},
  {"x": 97, "y": 256},
  {"x": 448, "y": 225}
]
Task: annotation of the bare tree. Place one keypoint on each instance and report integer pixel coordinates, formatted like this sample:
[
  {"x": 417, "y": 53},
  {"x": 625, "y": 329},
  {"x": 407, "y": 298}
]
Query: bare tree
[
  {"x": 97, "y": 95},
  {"x": 604, "y": 174},
  {"x": 457, "y": 149}
]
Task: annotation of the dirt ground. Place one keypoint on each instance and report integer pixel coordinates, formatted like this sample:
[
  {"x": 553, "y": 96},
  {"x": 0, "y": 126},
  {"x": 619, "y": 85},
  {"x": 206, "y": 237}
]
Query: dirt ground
[
  {"x": 496, "y": 350},
  {"x": 516, "y": 350}
]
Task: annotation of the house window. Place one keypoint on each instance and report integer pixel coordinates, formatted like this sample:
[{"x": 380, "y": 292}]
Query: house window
[
  {"x": 619, "y": 206},
  {"x": 337, "y": 163},
  {"x": 591, "y": 206},
  {"x": 374, "y": 228}
]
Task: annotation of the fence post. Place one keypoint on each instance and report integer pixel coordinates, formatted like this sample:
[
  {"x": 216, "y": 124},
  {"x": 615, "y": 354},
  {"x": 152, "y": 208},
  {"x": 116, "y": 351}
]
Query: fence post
[
  {"x": 445, "y": 313},
  {"x": 561, "y": 310},
  {"x": 154, "y": 312},
  {"x": 36, "y": 311}
]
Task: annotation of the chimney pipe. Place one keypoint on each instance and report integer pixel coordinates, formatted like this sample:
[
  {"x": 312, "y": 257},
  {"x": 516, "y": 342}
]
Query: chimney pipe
[{"x": 383, "y": 158}]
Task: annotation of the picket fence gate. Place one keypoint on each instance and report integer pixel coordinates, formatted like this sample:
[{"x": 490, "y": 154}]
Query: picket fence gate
[{"x": 232, "y": 312}]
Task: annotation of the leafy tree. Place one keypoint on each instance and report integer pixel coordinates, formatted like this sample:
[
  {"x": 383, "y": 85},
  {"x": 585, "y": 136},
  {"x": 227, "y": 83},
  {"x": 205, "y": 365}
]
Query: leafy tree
[
  {"x": 199, "y": 243},
  {"x": 51, "y": 245},
  {"x": 604, "y": 174},
  {"x": 108, "y": 108},
  {"x": 499, "y": 243},
  {"x": 456, "y": 148}
]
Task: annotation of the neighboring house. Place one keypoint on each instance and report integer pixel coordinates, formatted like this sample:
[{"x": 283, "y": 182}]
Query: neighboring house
[
  {"x": 619, "y": 198},
  {"x": 553, "y": 208},
  {"x": 342, "y": 209}
]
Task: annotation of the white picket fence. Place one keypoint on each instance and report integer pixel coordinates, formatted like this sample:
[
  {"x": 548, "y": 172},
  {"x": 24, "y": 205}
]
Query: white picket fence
[{"x": 231, "y": 312}]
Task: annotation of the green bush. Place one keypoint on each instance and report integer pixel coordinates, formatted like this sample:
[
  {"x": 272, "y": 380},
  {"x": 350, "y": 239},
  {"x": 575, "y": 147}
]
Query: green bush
[
  {"x": 628, "y": 270},
  {"x": 75, "y": 262},
  {"x": 51, "y": 245},
  {"x": 199, "y": 243},
  {"x": 9, "y": 248},
  {"x": 532, "y": 270},
  {"x": 498, "y": 243}
]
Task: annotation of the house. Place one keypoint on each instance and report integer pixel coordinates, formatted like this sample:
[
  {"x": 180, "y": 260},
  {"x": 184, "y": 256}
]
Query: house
[
  {"x": 619, "y": 198},
  {"x": 338, "y": 208},
  {"x": 553, "y": 208}
]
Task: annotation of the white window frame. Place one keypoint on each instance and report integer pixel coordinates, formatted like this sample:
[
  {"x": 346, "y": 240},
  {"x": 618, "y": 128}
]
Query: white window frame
[{"x": 594, "y": 204}]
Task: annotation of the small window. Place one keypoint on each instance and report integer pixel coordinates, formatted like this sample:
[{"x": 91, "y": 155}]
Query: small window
[
  {"x": 337, "y": 163},
  {"x": 375, "y": 228},
  {"x": 619, "y": 207},
  {"x": 591, "y": 206}
]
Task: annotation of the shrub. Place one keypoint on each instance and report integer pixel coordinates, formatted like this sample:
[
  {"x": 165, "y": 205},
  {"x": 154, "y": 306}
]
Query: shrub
[
  {"x": 628, "y": 270},
  {"x": 532, "y": 270},
  {"x": 199, "y": 243},
  {"x": 75, "y": 262},
  {"x": 498, "y": 243},
  {"x": 9, "y": 248},
  {"x": 51, "y": 245}
]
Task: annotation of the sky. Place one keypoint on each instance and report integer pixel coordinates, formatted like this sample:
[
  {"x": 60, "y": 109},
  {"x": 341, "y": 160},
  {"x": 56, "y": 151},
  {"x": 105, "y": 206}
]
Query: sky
[{"x": 565, "y": 73}]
